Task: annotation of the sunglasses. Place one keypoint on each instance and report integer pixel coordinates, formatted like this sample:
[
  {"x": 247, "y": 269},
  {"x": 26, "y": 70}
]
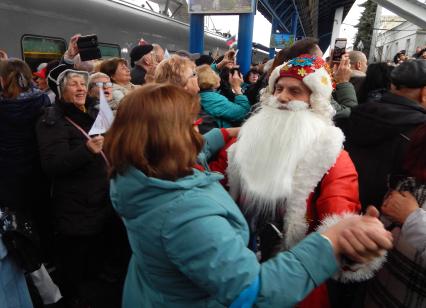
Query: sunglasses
[{"x": 103, "y": 84}]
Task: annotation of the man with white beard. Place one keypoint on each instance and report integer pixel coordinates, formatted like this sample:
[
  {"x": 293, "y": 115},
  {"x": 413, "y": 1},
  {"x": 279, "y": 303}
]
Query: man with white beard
[{"x": 288, "y": 170}]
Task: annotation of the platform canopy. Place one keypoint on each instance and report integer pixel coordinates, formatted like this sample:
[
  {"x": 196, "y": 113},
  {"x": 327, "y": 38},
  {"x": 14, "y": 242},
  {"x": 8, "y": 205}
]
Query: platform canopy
[{"x": 315, "y": 17}]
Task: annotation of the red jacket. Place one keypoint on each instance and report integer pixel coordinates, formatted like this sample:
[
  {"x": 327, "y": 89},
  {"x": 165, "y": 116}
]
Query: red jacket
[{"x": 338, "y": 194}]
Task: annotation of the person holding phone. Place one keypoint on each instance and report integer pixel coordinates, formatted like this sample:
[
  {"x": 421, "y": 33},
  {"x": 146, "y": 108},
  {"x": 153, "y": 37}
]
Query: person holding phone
[
  {"x": 72, "y": 54},
  {"x": 225, "y": 112}
]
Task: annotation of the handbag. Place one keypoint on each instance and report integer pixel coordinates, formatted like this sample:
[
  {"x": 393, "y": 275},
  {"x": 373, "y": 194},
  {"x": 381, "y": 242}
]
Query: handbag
[{"x": 20, "y": 239}]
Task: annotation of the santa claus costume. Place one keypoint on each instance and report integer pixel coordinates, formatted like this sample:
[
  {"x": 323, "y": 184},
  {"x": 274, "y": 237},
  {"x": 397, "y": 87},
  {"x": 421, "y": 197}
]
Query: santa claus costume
[{"x": 289, "y": 172}]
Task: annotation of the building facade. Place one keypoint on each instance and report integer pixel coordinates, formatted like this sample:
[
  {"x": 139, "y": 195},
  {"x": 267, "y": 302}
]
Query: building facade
[{"x": 398, "y": 35}]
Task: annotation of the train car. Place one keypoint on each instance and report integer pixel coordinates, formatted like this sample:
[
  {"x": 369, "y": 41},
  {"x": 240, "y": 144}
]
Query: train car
[{"x": 38, "y": 30}]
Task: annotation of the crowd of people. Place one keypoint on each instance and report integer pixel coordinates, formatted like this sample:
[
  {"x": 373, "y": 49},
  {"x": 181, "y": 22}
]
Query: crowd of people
[{"x": 302, "y": 183}]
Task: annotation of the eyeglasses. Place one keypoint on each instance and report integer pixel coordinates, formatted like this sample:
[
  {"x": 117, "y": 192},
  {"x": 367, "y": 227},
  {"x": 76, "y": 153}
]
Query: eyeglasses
[{"x": 103, "y": 84}]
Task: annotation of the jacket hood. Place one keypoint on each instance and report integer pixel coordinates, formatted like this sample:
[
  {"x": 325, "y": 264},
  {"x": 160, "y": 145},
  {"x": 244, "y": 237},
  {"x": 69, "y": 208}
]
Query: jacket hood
[
  {"x": 133, "y": 191},
  {"x": 23, "y": 108},
  {"x": 375, "y": 122}
]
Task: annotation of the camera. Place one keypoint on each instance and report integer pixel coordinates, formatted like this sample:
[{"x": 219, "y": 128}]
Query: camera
[{"x": 88, "y": 47}]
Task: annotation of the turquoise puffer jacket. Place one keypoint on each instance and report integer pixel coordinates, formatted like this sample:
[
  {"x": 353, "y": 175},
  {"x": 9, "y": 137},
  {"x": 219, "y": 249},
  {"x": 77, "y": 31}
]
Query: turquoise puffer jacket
[
  {"x": 189, "y": 248},
  {"x": 223, "y": 110}
]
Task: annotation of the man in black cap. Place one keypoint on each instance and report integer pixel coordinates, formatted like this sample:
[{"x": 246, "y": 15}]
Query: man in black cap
[
  {"x": 377, "y": 133},
  {"x": 142, "y": 61}
]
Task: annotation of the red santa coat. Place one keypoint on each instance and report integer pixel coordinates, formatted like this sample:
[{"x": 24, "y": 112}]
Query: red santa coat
[{"x": 338, "y": 195}]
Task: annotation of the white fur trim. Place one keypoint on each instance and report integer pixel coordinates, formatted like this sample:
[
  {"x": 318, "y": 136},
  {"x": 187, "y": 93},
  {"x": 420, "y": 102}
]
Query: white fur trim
[
  {"x": 233, "y": 175},
  {"x": 273, "y": 78},
  {"x": 357, "y": 271},
  {"x": 310, "y": 170}
]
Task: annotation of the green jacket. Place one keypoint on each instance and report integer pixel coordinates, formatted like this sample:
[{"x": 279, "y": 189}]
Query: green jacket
[
  {"x": 223, "y": 110},
  {"x": 344, "y": 100},
  {"x": 189, "y": 248}
]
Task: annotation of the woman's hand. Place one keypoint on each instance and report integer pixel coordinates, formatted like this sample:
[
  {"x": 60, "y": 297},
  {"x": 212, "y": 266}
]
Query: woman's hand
[
  {"x": 360, "y": 238},
  {"x": 3, "y": 55},
  {"x": 72, "y": 50},
  {"x": 227, "y": 61},
  {"x": 95, "y": 144},
  {"x": 236, "y": 80},
  {"x": 399, "y": 205}
]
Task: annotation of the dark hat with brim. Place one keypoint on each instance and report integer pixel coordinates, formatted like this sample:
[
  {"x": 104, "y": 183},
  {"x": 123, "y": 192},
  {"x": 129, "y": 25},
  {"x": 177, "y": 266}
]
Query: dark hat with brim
[
  {"x": 410, "y": 74},
  {"x": 138, "y": 52}
]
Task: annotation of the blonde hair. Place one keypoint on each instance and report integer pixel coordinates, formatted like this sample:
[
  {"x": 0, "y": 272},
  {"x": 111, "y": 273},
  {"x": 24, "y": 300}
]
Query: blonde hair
[
  {"x": 207, "y": 78},
  {"x": 172, "y": 70},
  {"x": 96, "y": 76}
]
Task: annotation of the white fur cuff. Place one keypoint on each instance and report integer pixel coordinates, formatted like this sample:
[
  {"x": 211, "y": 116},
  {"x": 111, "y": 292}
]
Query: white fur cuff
[{"x": 352, "y": 271}]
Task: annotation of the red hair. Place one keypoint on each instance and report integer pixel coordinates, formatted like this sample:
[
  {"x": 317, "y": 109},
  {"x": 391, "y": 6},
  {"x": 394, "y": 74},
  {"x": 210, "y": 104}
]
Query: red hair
[{"x": 415, "y": 159}]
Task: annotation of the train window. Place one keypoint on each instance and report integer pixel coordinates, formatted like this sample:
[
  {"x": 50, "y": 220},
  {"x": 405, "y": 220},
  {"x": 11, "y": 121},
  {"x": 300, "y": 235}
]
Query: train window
[
  {"x": 109, "y": 50},
  {"x": 39, "y": 49}
]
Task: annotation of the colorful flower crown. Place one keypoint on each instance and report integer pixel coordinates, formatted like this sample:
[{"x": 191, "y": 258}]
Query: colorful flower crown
[{"x": 305, "y": 65}]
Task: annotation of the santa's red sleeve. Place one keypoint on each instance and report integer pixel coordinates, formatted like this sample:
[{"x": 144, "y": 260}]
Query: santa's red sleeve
[
  {"x": 220, "y": 162},
  {"x": 339, "y": 198},
  {"x": 338, "y": 191}
]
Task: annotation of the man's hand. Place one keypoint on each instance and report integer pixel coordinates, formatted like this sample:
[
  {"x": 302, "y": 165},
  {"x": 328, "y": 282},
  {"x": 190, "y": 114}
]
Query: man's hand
[
  {"x": 342, "y": 71},
  {"x": 399, "y": 205}
]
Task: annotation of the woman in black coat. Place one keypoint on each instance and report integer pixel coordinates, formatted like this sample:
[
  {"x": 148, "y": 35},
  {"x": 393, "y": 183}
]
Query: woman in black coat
[
  {"x": 21, "y": 180},
  {"x": 78, "y": 171}
]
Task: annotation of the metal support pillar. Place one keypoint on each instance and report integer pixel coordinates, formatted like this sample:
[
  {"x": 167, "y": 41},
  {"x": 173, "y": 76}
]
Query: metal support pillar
[
  {"x": 294, "y": 21},
  {"x": 196, "y": 33},
  {"x": 338, "y": 19},
  {"x": 273, "y": 30},
  {"x": 245, "y": 41}
]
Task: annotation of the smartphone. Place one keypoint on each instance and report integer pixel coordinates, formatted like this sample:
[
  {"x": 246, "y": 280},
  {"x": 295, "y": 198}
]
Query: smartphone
[
  {"x": 339, "y": 49},
  {"x": 233, "y": 70},
  {"x": 88, "y": 47}
]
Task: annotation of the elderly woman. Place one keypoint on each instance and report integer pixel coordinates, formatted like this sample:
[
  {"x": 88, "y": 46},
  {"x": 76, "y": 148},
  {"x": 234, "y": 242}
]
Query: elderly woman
[
  {"x": 77, "y": 168},
  {"x": 224, "y": 112},
  {"x": 100, "y": 81},
  {"x": 117, "y": 69},
  {"x": 179, "y": 71},
  {"x": 188, "y": 238}
]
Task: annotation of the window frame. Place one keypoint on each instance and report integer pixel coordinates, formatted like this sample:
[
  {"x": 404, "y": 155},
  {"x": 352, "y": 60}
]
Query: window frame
[
  {"x": 110, "y": 45},
  {"x": 42, "y": 37}
]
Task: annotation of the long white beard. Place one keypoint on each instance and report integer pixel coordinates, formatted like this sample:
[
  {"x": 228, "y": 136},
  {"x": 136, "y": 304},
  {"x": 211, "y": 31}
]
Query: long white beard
[{"x": 270, "y": 146}]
